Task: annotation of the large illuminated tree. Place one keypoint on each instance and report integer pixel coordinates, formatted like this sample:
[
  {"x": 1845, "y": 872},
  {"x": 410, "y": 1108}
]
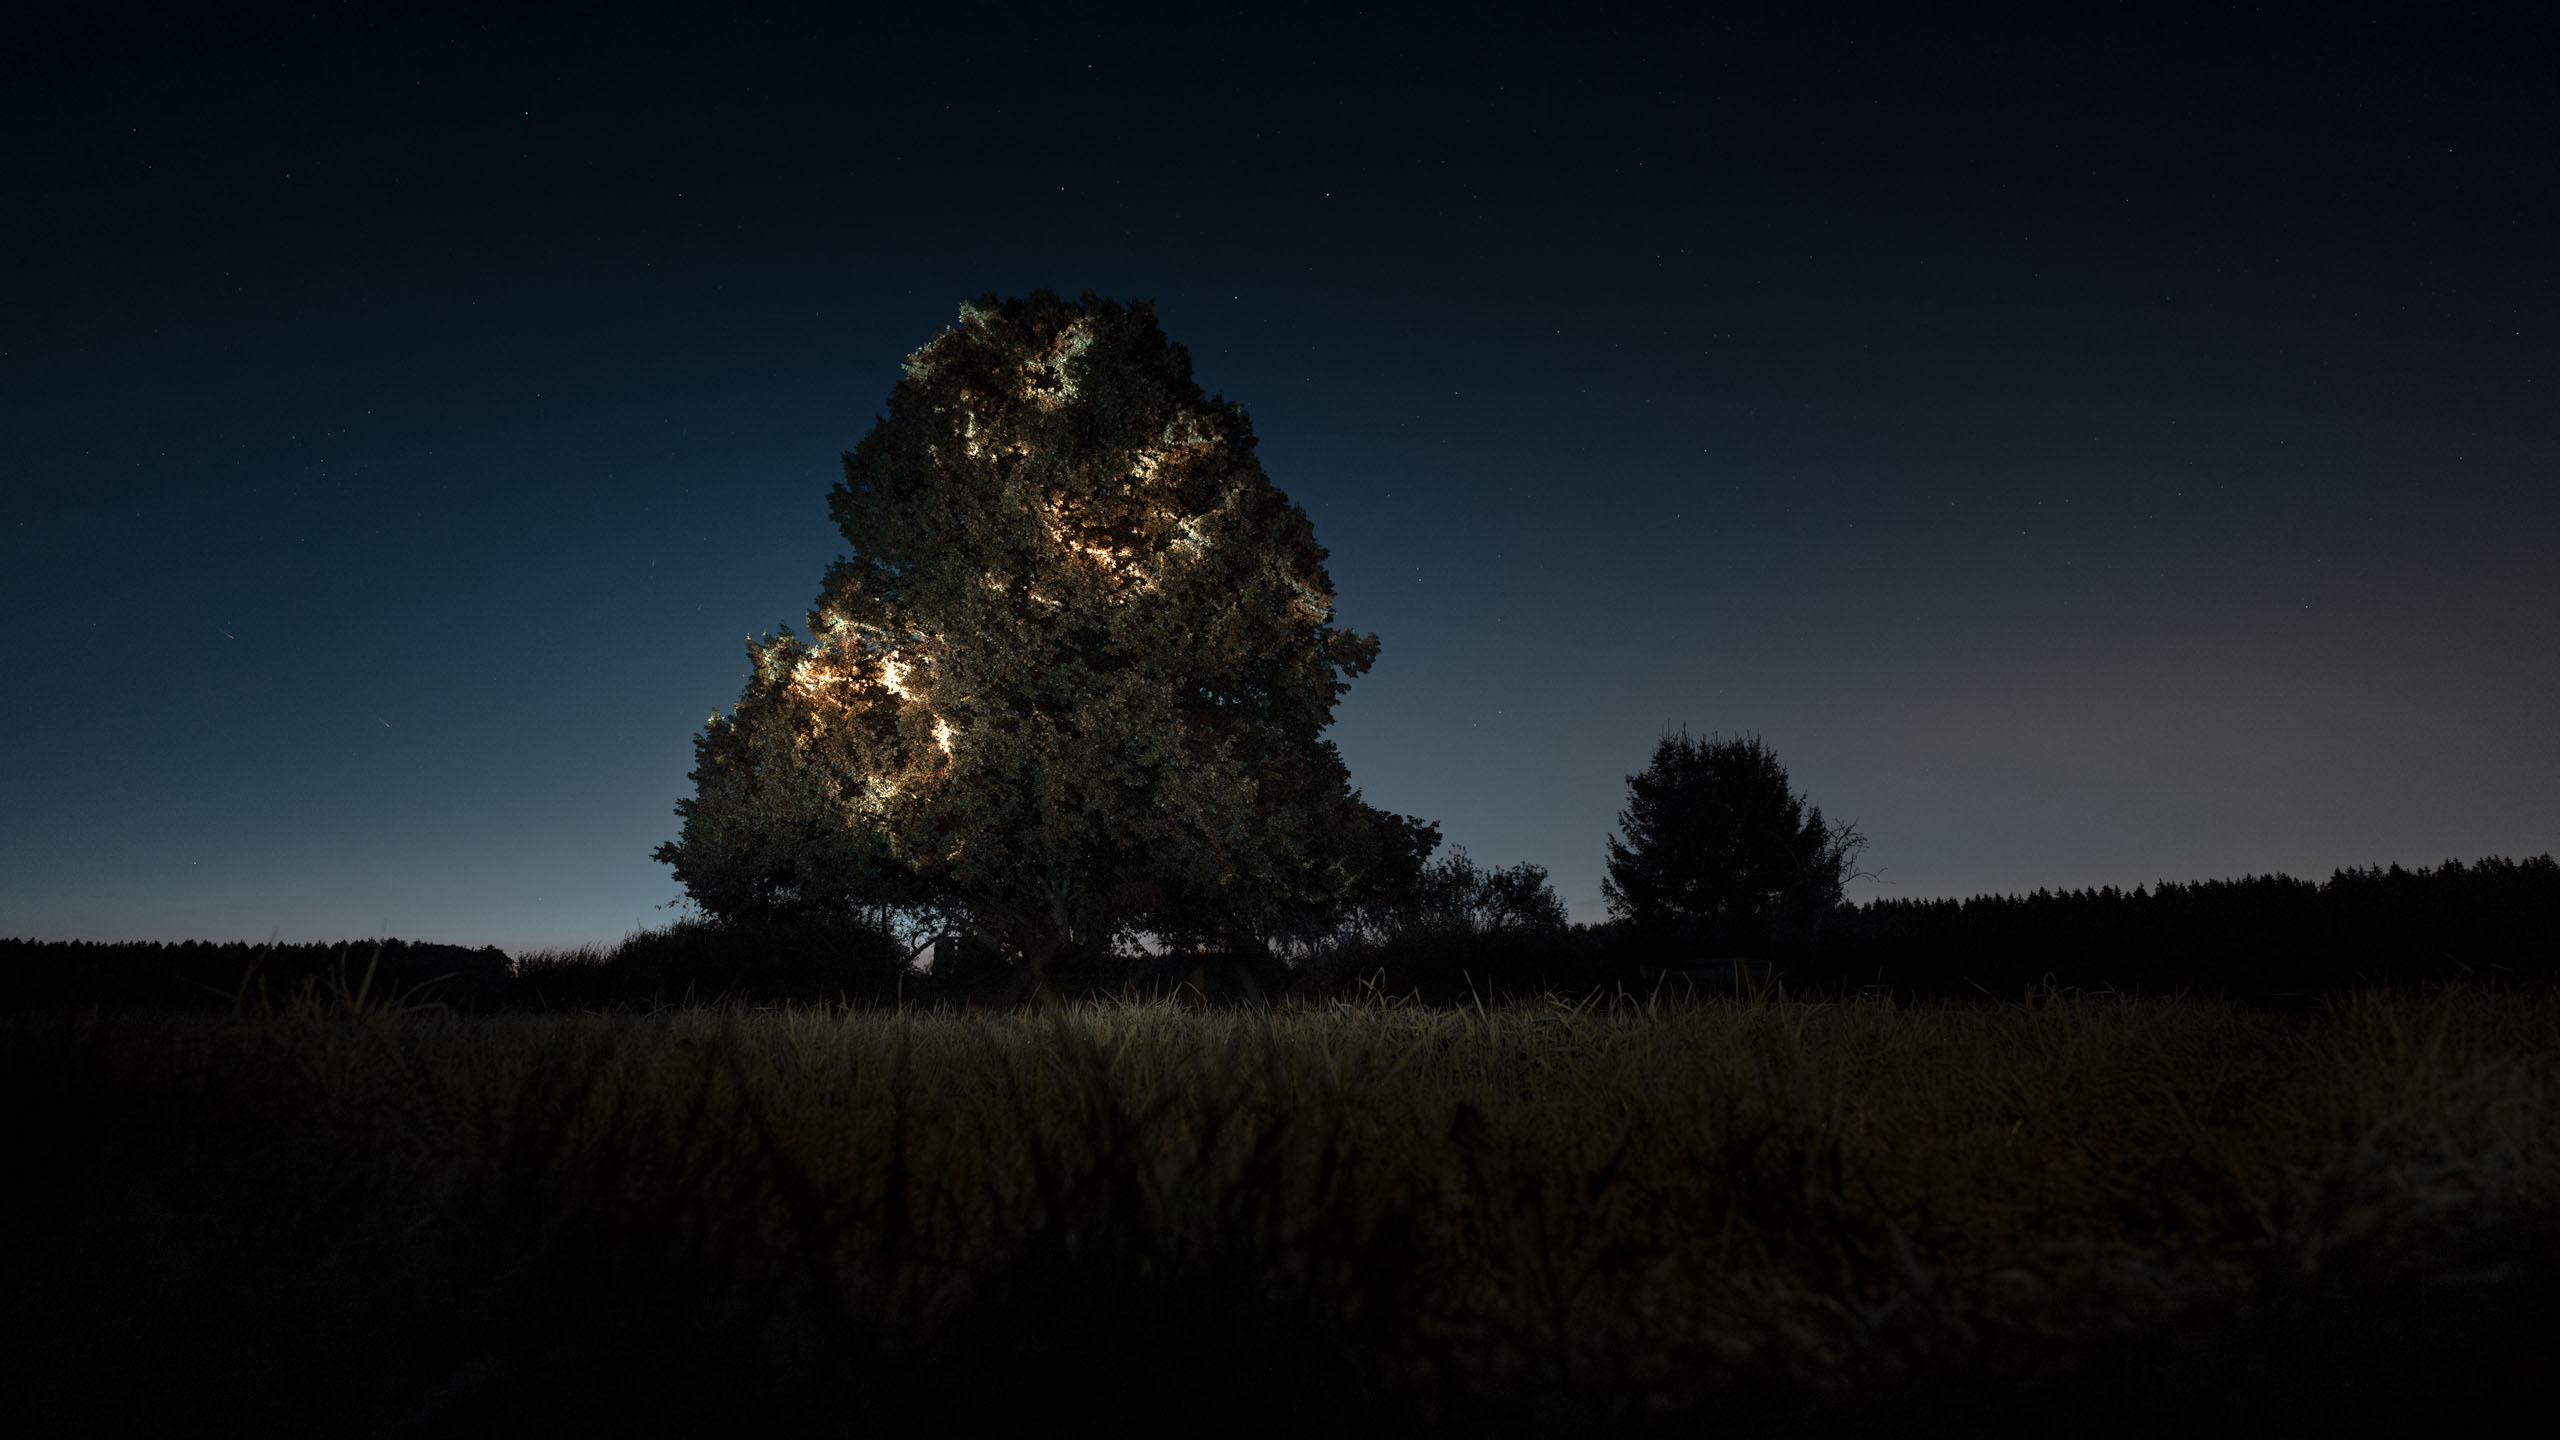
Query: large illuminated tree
[{"x": 1069, "y": 686}]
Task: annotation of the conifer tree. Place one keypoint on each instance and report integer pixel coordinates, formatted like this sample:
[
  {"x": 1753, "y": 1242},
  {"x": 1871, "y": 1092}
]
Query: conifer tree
[
  {"x": 1070, "y": 683},
  {"x": 1719, "y": 850}
]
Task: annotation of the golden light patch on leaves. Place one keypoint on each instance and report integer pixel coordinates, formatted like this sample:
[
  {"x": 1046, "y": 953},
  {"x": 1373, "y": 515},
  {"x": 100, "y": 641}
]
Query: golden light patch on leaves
[{"x": 1032, "y": 566}]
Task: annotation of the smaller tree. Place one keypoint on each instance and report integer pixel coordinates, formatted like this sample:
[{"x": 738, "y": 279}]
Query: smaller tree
[
  {"x": 1720, "y": 852},
  {"x": 1454, "y": 928},
  {"x": 1454, "y": 896}
]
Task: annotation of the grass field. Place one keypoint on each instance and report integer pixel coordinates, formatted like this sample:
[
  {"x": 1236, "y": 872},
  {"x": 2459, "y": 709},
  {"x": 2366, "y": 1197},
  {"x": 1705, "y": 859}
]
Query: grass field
[{"x": 1741, "y": 1217}]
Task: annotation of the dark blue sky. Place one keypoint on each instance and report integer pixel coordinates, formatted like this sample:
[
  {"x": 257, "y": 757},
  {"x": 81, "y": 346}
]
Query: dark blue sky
[{"x": 2090, "y": 449}]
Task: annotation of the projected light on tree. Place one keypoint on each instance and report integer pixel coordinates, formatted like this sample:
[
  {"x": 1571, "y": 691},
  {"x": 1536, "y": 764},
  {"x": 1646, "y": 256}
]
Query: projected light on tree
[{"x": 1069, "y": 686}]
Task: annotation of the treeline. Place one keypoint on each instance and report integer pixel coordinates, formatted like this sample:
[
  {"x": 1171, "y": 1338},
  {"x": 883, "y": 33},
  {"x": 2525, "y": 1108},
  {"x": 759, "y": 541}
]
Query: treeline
[
  {"x": 196, "y": 974},
  {"x": 2271, "y": 938},
  {"x": 689, "y": 962},
  {"x": 2256, "y": 937},
  {"x": 1484, "y": 933}
]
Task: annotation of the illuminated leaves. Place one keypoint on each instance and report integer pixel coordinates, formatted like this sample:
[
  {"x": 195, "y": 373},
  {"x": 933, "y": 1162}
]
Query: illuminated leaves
[{"x": 1081, "y": 651}]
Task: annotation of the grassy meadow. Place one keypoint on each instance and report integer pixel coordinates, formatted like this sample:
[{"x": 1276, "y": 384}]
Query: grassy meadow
[{"x": 1754, "y": 1215}]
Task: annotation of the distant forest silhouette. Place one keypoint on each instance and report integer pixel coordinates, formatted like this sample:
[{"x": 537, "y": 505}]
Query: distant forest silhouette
[
  {"x": 2260, "y": 936},
  {"x": 198, "y": 974},
  {"x": 2271, "y": 938}
]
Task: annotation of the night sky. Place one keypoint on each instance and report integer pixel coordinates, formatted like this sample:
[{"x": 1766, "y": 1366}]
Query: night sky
[{"x": 2088, "y": 450}]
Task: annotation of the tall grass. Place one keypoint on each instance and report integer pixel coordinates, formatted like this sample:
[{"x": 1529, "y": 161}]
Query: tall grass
[{"x": 1338, "y": 1217}]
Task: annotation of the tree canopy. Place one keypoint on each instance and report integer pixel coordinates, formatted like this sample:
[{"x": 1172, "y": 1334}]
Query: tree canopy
[
  {"x": 1719, "y": 849},
  {"x": 1455, "y": 895},
  {"x": 1071, "y": 681}
]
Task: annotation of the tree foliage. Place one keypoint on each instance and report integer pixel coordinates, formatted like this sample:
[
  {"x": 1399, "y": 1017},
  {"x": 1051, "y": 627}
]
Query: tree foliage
[
  {"x": 1456, "y": 896},
  {"x": 1071, "y": 681},
  {"x": 1719, "y": 848}
]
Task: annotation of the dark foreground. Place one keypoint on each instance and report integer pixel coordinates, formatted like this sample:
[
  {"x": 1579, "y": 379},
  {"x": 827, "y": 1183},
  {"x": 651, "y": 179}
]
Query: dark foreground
[{"x": 2085, "y": 1216}]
